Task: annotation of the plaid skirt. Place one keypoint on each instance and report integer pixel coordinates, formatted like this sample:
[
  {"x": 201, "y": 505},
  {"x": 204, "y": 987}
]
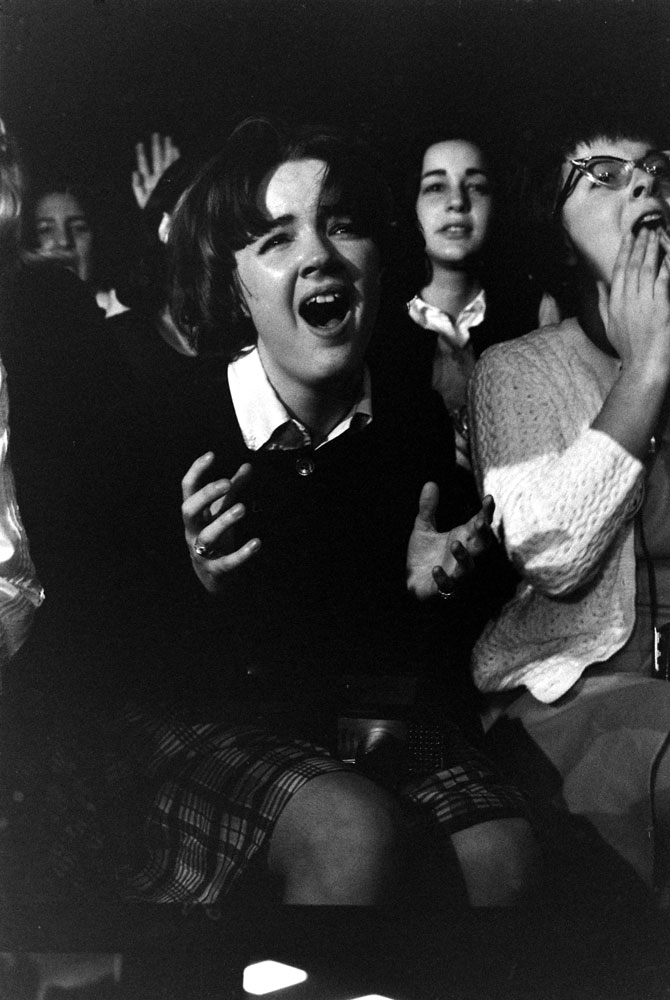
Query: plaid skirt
[
  {"x": 155, "y": 808},
  {"x": 219, "y": 790}
]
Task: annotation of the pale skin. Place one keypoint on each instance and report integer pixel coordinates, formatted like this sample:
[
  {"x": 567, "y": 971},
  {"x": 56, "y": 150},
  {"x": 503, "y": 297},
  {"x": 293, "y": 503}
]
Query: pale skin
[
  {"x": 213, "y": 515},
  {"x": 453, "y": 211},
  {"x": 64, "y": 233},
  {"x": 632, "y": 289},
  {"x": 152, "y": 162},
  {"x": 341, "y": 838},
  {"x": 631, "y": 274}
]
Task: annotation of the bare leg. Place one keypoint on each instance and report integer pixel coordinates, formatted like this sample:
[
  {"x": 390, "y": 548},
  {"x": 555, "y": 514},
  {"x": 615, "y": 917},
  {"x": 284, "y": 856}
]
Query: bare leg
[
  {"x": 499, "y": 860},
  {"x": 661, "y": 793},
  {"x": 339, "y": 841}
]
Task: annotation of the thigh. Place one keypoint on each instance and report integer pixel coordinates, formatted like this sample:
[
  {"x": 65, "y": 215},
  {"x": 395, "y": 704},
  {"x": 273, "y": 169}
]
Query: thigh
[
  {"x": 468, "y": 789},
  {"x": 218, "y": 792}
]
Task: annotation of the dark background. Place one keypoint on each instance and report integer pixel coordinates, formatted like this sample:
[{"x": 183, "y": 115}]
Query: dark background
[{"x": 83, "y": 80}]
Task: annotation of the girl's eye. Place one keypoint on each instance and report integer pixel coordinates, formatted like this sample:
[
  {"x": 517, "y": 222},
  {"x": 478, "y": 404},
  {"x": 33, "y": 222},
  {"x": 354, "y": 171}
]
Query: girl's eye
[
  {"x": 479, "y": 188},
  {"x": 274, "y": 240},
  {"x": 432, "y": 188},
  {"x": 340, "y": 227}
]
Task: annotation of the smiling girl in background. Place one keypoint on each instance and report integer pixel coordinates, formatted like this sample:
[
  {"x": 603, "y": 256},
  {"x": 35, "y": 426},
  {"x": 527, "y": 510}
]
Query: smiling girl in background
[{"x": 570, "y": 432}]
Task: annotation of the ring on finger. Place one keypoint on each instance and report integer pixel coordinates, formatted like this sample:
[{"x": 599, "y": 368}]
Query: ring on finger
[
  {"x": 200, "y": 550},
  {"x": 446, "y": 595}
]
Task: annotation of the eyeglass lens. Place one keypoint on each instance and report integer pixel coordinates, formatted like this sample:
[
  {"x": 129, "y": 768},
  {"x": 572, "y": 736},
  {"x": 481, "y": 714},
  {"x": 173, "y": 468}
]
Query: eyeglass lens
[{"x": 615, "y": 172}]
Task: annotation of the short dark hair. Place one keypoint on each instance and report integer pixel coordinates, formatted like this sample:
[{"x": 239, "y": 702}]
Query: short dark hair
[
  {"x": 219, "y": 215},
  {"x": 540, "y": 183}
]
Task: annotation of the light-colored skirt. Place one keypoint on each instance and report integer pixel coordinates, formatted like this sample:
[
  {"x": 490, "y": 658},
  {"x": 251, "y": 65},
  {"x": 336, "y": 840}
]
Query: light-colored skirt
[{"x": 596, "y": 750}]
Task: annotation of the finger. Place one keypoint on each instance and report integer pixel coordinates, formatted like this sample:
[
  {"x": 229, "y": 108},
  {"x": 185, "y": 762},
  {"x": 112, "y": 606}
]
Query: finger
[
  {"x": 236, "y": 487},
  {"x": 428, "y": 501},
  {"x": 215, "y": 538},
  {"x": 664, "y": 241},
  {"x": 621, "y": 263},
  {"x": 446, "y": 585},
  {"x": 649, "y": 266},
  {"x": 193, "y": 478},
  {"x": 219, "y": 565},
  {"x": 634, "y": 274},
  {"x": 488, "y": 508},
  {"x": 171, "y": 151},
  {"x": 464, "y": 560},
  {"x": 156, "y": 152},
  {"x": 142, "y": 165}
]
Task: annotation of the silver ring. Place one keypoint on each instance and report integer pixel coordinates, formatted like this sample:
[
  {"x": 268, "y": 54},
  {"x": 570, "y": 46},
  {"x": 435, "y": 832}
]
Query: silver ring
[{"x": 200, "y": 550}]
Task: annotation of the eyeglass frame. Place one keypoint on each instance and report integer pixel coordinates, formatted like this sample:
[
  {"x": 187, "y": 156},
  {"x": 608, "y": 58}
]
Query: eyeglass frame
[{"x": 579, "y": 166}]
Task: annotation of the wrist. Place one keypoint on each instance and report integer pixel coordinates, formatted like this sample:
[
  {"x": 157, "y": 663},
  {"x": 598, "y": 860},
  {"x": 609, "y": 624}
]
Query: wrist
[{"x": 646, "y": 374}]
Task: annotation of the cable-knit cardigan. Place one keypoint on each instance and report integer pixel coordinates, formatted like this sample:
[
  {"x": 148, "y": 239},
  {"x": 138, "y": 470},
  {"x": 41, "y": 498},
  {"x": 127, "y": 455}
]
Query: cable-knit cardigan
[{"x": 565, "y": 496}]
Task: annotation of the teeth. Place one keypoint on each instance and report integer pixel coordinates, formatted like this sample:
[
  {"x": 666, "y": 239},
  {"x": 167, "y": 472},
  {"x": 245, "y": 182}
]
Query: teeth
[
  {"x": 325, "y": 308},
  {"x": 649, "y": 218},
  {"x": 326, "y": 297}
]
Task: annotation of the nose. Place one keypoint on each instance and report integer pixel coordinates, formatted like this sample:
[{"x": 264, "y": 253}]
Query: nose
[
  {"x": 63, "y": 238},
  {"x": 643, "y": 183},
  {"x": 457, "y": 198},
  {"x": 318, "y": 254}
]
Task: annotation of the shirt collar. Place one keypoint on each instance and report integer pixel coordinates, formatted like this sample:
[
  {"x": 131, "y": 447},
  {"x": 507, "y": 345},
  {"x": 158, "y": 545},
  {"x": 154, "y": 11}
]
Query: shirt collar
[
  {"x": 263, "y": 418},
  {"x": 458, "y": 333}
]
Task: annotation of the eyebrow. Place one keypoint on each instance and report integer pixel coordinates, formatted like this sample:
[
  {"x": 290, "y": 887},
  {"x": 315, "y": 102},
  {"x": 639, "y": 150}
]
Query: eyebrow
[
  {"x": 325, "y": 212},
  {"x": 68, "y": 218},
  {"x": 468, "y": 173},
  {"x": 281, "y": 220}
]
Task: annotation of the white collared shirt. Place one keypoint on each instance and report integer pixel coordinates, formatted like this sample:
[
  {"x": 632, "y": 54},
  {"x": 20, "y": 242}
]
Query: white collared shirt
[
  {"x": 263, "y": 418},
  {"x": 454, "y": 359},
  {"x": 457, "y": 334}
]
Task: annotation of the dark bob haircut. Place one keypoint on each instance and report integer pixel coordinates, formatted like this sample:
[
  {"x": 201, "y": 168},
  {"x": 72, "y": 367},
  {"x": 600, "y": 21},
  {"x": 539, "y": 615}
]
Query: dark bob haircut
[
  {"x": 219, "y": 215},
  {"x": 540, "y": 182}
]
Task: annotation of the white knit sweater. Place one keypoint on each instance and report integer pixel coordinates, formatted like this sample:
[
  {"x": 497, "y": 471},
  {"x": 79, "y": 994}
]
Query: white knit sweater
[{"x": 565, "y": 497}]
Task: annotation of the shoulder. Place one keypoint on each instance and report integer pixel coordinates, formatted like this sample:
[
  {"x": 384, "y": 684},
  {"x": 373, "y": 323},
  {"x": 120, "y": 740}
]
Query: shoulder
[{"x": 546, "y": 351}]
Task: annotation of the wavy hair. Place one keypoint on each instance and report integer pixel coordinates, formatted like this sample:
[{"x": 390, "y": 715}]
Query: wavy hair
[{"x": 219, "y": 215}]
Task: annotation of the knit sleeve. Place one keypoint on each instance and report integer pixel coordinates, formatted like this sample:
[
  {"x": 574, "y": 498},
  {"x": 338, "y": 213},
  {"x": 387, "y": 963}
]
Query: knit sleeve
[{"x": 562, "y": 489}]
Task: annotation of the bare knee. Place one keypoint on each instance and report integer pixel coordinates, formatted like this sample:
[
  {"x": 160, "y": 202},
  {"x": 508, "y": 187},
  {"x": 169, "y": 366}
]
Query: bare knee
[
  {"x": 338, "y": 841},
  {"x": 499, "y": 860}
]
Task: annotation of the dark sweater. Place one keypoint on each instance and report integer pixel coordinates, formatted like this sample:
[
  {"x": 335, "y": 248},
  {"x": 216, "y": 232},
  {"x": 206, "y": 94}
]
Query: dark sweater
[{"x": 327, "y": 593}]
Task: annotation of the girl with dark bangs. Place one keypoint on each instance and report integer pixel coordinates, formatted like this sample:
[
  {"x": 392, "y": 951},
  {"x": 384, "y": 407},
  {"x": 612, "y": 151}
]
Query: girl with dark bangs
[{"x": 249, "y": 705}]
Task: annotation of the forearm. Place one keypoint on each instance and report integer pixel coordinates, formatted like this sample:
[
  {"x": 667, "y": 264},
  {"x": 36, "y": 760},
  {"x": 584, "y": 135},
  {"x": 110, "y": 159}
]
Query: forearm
[
  {"x": 631, "y": 411},
  {"x": 559, "y": 513}
]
